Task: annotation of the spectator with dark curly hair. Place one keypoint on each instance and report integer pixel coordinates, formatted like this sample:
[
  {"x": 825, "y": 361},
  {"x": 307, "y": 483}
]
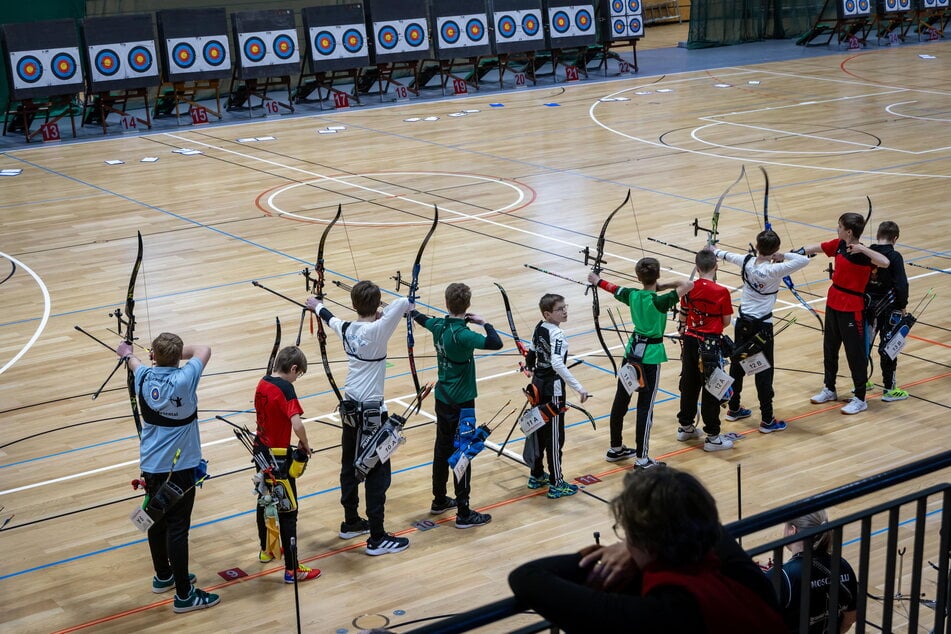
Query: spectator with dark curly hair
[{"x": 675, "y": 570}]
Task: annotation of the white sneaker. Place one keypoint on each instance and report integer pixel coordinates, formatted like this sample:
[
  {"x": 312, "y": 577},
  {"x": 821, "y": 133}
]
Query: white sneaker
[
  {"x": 717, "y": 443},
  {"x": 688, "y": 433},
  {"x": 824, "y": 396},
  {"x": 854, "y": 406}
]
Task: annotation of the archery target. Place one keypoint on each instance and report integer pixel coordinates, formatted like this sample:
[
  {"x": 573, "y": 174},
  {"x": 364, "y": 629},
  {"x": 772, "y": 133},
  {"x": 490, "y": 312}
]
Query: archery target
[
  {"x": 617, "y": 7},
  {"x": 270, "y": 48},
  {"x": 45, "y": 68},
  {"x": 633, "y": 6},
  {"x": 254, "y": 49},
  {"x": 583, "y": 20},
  {"x": 183, "y": 54},
  {"x": 863, "y": 6},
  {"x": 531, "y": 24},
  {"x": 560, "y": 23},
  {"x": 338, "y": 41},
  {"x": 452, "y": 35},
  {"x": 141, "y": 57},
  {"x": 213, "y": 52},
  {"x": 571, "y": 21},
  {"x": 505, "y": 27},
  {"x": 626, "y": 20},
  {"x": 933, "y": 4},
  {"x": 106, "y": 62},
  {"x": 401, "y": 36},
  {"x": 29, "y": 69}
]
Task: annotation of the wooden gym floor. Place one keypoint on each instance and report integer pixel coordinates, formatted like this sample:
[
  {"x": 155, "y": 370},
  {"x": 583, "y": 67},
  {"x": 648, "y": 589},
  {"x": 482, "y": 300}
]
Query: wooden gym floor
[{"x": 523, "y": 178}]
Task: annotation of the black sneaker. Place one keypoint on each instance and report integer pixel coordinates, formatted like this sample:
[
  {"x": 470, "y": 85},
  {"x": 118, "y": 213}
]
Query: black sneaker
[
  {"x": 438, "y": 508},
  {"x": 387, "y": 544},
  {"x": 621, "y": 454},
  {"x": 474, "y": 518},
  {"x": 197, "y": 599},
  {"x": 350, "y": 530}
]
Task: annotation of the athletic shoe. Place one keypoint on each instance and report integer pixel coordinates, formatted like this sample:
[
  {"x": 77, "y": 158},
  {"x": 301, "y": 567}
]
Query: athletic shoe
[
  {"x": 349, "y": 530},
  {"x": 620, "y": 454},
  {"x": 824, "y": 396},
  {"x": 438, "y": 508},
  {"x": 688, "y": 433},
  {"x": 894, "y": 395},
  {"x": 474, "y": 518},
  {"x": 648, "y": 463},
  {"x": 265, "y": 556},
  {"x": 197, "y": 599},
  {"x": 303, "y": 574},
  {"x": 387, "y": 544},
  {"x": 539, "y": 482},
  {"x": 159, "y": 586},
  {"x": 717, "y": 443},
  {"x": 732, "y": 415},
  {"x": 854, "y": 406},
  {"x": 771, "y": 426},
  {"x": 561, "y": 489}
]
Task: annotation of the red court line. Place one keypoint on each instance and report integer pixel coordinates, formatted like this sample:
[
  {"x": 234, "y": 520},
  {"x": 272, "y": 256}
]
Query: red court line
[{"x": 412, "y": 529}]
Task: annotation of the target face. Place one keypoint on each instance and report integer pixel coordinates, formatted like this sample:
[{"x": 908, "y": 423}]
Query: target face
[
  {"x": 284, "y": 47},
  {"x": 183, "y": 54},
  {"x": 449, "y": 32},
  {"x": 617, "y": 6},
  {"x": 415, "y": 34},
  {"x": 254, "y": 49},
  {"x": 214, "y": 53},
  {"x": 107, "y": 62},
  {"x": 29, "y": 69},
  {"x": 635, "y": 26},
  {"x": 476, "y": 29},
  {"x": 530, "y": 25},
  {"x": 388, "y": 38},
  {"x": 63, "y": 66},
  {"x": 353, "y": 40},
  {"x": 560, "y": 22},
  {"x": 633, "y": 6},
  {"x": 618, "y": 26},
  {"x": 583, "y": 19},
  {"x": 506, "y": 26},
  {"x": 140, "y": 59},
  {"x": 863, "y": 6},
  {"x": 325, "y": 43}
]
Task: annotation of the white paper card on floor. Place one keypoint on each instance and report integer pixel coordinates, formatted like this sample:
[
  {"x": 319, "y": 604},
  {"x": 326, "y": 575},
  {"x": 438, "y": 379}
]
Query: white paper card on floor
[
  {"x": 718, "y": 383},
  {"x": 530, "y": 421},
  {"x": 754, "y": 364}
]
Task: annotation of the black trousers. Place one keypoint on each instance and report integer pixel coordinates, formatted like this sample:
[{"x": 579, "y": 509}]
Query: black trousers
[
  {"x": 376, "y": 483},
  {"x": 692, "y": 389},
  {"x": 168, "y": 537},
  {"x": 447, "y": 426},
  {"x": 551, "y": 435},
  {"x": 745, "y": 330},
  {"x": 287, "y": 525},
  {"x": 645, "y": 410},
  {"x": 845, "y": 329}
]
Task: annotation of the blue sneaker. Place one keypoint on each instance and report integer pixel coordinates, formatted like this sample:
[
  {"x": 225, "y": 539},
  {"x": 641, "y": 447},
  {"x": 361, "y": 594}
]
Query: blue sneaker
[
  {"x": 561, "y": 489},
  {"x": 771, "y": 426},
  {"x": 539, "y": 482},
  {"x": 737, "y": 414},
  {"x": 159, "y": 586}
]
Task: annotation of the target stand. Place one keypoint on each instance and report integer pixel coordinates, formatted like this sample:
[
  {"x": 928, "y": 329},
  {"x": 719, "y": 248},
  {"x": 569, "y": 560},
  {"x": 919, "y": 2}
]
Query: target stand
[
  {"x": 520, "y": 64},
  {"x": 454, "y": 70},
  {"x": 323, "y": 81},
  {"x": 172, "y": 95},
  {"x": 846, "y": 20},
  {"x": 409, "y": 69},
  {"x": 604, "y": 52},
  {"x": 242, "y": 90},
  {"x": 21, "y": 115},
  {"x": 931, "y": 18},
  {"x": 893, "y": 19},
  {"x": 98, "y": 106}
]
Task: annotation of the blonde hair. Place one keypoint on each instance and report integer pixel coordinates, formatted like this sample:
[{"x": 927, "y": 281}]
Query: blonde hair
[{"x": 821, "y": 543}]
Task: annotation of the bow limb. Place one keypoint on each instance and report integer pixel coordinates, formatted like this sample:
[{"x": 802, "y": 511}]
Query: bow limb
[
  {"x": 715, "y": 220},
  {"x": 276, "y": 346},
  {"x": 129, "y": 335},
  {"x": 868, "y": 216},
  {"x": 519, "y": 345},
  {"x": 597, "y": 266},
  {"x": 583, "y": 411},
  {"x": 319, "y": 270},
  {"x": 766, "y": 223},
  {"x": 412, "y": 296}
]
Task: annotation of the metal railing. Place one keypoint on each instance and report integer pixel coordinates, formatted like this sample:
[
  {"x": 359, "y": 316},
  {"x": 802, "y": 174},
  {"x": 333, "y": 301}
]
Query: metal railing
[{"x": 891, "y": 598}]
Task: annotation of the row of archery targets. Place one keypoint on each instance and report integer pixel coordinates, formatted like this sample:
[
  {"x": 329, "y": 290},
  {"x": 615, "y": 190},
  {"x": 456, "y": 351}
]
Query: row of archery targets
[{"x": 121, "y": 52}]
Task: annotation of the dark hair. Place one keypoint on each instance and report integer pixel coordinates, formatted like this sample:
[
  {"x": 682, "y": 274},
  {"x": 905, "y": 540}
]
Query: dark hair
[
  {"x": 547, "y": 303},
  {"x": 767, "y": 242},
  {"x": 289, "y": 357},
  {"x": 853, "y": 222},
  {"x": 706, "y": 260},
  {"x": 365, "y": 297},
  {"x": 167, "y": 350},
  {"x": 887, "y": 230},
  {"x": 647, "y": 271},
  {"x": 667, "y": 513},
  {"x": 458, "y": 298}
]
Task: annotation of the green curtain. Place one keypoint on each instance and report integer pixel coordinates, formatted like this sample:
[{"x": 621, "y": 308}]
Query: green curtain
[{"x": 725, "y": 22}]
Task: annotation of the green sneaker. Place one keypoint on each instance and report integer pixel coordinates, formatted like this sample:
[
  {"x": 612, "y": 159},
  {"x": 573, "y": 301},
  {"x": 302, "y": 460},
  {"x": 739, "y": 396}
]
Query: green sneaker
[
  {"x": 894, "y": 395},
  {"x": 159, "y": 586},
  {"x": 561, "y": 489},
  {"x": 197, "y": 599}
]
